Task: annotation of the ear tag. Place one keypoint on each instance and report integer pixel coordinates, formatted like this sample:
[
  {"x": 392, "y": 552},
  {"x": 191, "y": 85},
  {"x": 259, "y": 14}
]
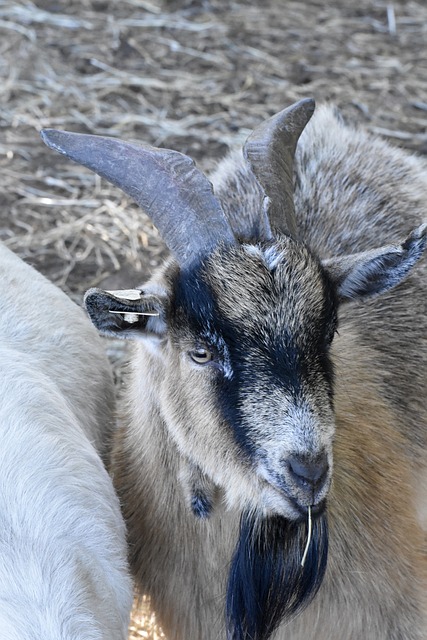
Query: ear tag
[
  {"x": 130, "y": 294},
  {"x": 126, "y": 294}
]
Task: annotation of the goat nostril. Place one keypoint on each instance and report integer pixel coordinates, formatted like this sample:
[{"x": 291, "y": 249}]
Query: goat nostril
[{"x": 306, "y": 469}]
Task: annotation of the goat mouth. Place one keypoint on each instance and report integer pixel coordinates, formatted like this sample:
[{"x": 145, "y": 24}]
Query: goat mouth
[
  {"x": 317, "y": 510},
  {"x": 281, "y": 499}
]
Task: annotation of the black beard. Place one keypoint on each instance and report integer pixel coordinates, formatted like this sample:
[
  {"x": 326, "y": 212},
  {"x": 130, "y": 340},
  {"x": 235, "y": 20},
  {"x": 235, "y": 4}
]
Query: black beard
[{"x": 267, "y": 583}]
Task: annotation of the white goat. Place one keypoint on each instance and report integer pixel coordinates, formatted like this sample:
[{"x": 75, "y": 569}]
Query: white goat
[
  {"x": 63, "y": 569},
  {"x": 249, "y": 424}
]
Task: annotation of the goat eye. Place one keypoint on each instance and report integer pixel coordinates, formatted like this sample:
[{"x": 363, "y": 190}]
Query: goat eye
[{"x": 201, "y": 355}]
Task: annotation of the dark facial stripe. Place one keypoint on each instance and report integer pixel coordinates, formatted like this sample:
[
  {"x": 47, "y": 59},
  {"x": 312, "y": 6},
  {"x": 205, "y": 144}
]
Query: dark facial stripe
[{"x": 272, "y": 358}]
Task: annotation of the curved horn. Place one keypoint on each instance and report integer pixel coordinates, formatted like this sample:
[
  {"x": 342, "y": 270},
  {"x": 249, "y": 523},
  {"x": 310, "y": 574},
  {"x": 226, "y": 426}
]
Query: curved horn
[
  {"x": 166, "y": 184},
  {"x": 270, "y": 151}
]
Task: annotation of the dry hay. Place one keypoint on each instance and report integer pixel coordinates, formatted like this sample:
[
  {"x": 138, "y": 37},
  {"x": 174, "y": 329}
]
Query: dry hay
[
  {"x": 191, "y": 75},
  {"x": 195, "y": 76},
  {"x": 143, "y": 623}
]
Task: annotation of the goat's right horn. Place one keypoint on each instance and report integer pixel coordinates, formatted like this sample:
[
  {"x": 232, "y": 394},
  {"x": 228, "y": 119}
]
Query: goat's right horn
[
  {"x": 166, "y": 184},
  {"x": 270, "y": 151}
]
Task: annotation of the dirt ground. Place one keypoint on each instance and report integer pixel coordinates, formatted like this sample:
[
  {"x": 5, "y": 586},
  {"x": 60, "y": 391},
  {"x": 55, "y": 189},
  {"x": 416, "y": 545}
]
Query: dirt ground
[{"x": 191, "y": 75}]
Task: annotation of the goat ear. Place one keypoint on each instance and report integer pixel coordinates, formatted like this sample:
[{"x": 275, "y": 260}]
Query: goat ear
[
  {"x": 126, "y": 314},
  {"x": 362, "y": 275}
]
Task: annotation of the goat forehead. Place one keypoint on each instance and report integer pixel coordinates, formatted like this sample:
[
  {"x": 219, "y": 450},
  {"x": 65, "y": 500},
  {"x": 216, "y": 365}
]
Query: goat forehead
[{"x": 277, "y": 284}]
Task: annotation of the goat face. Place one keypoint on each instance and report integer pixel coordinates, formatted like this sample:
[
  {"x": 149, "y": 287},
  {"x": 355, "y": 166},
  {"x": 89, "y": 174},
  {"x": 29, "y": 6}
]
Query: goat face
[{"x": 249, "y": 330}]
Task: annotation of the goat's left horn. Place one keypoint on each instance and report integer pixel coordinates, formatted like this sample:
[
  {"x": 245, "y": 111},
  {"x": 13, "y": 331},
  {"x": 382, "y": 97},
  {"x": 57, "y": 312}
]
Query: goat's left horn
[
  {"x": 167, "y": 185},
  {"x": 270, "y": 151}
]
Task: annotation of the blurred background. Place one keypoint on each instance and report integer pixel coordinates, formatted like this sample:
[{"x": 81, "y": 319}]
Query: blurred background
[{"x": 192, "y": 75}]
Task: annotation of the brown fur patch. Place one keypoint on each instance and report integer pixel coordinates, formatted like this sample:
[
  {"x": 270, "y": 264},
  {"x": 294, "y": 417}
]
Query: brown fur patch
[
  {"x": 375, "y": 537},
  {"x": 248, "y": 292}
]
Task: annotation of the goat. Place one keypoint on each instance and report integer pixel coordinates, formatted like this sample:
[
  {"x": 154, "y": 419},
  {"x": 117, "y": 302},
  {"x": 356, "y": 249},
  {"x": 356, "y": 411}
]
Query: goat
[
  {"x": 63, "y": 564},
  {"x": 270, "y": 465}
]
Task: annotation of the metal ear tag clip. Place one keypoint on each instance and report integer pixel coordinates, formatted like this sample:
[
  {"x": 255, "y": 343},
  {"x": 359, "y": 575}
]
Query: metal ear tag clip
[
  {"x": 131, "y": 318},
  {"x": 130, "y": 294}
]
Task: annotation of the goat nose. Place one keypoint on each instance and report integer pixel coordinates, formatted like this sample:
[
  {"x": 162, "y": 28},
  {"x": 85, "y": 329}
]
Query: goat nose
[{"x": 308, "y": 470}]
